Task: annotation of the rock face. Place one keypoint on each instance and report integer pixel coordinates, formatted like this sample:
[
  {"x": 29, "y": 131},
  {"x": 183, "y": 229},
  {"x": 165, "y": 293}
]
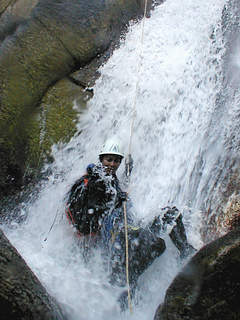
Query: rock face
[
  {"x": 21, "y": 294},
  {"x": 209, "y": 285},
  {"x": 223, "y": 195},
  {"x": 41, "y": 42}
]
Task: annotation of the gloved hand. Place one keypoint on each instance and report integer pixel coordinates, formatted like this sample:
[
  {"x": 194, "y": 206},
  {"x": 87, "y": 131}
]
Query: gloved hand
[{"x": 128, "y": 165}]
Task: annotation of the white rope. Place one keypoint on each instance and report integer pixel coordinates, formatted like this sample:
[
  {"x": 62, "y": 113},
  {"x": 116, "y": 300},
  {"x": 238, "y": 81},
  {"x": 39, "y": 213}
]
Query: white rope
[
  {"x": 129, "y": 152},
  {"x": 138, "y": 79}
]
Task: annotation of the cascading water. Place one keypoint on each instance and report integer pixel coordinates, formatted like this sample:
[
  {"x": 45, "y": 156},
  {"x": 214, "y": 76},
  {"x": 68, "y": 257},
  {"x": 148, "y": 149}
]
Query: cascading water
[{"x": 180, "y": 80}]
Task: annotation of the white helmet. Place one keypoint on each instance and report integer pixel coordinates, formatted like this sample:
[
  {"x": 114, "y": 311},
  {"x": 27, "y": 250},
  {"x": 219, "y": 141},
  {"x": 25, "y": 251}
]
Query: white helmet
[{"x": 112, "y": 146}]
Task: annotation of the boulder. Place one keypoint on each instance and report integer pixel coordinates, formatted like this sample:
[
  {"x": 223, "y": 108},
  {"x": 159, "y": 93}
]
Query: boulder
[
  {"x": 209, "y": 285},
  {"x": 22, "y": 297}
]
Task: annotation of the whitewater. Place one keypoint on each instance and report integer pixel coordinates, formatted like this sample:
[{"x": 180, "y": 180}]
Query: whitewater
[{"x": 179, "y": 81}]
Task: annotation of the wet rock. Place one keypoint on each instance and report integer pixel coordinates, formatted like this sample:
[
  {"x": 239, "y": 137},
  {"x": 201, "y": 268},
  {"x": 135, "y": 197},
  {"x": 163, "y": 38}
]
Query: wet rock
[
  {"x": 221, "y": 191},
  {"x": 12, "y": 14},
  {"x": 4, "y": 4},
  {"x": 223, "y": 210},
  {"x": 22, "y": 297},
  {"x": 209, "y": 285},
  {"x": 59, "y": 112}
]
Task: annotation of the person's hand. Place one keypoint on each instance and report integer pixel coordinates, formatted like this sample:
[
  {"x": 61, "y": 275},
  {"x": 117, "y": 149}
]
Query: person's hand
[{"x": 128, "y": 165}]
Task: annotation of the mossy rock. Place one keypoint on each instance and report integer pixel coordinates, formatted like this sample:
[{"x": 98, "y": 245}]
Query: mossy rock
[
  {"x": 4, "y": 4},
  {"x": 61, "y": 108},
  {"x": 53, "y": 122},
  {"x": 56, "y": 121}
]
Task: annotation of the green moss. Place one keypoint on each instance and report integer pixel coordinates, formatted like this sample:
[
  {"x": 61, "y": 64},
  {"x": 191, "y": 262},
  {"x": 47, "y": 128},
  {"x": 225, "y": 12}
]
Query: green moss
[
  {"x": 28, "y": 142},
  {"x": 55, "y": 121},
  {"x": 61, "y": 108}
]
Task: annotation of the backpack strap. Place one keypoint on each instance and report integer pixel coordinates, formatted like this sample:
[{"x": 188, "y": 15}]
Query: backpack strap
[{"x": 85, "y": 182}]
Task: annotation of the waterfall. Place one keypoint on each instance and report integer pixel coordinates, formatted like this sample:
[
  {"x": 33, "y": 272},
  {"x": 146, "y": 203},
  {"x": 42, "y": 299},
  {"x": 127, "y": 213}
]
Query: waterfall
[{"x": 177, "y": 142}]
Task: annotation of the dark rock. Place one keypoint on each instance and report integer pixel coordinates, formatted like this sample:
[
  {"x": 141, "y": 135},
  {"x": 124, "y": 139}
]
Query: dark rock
[
  {"x": 144, "y": 248},
  {"x": 209, "y": 285},
  {"x": 22, "y": 297}
]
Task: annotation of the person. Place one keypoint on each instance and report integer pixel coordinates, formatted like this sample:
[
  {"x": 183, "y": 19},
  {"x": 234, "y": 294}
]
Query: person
[
  {"x": 97, "y": 194},
  {"x": 95, "y": 208}
]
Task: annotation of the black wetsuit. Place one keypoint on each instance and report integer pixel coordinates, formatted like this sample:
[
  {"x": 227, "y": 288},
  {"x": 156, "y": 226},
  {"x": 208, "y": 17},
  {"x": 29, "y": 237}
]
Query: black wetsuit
[{"x": 93, "y": 197}]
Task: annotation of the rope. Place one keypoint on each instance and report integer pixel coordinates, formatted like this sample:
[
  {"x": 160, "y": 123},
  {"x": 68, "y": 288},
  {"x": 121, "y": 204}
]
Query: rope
[
  {"x": 137, "y": 83},
  {"x": 53, "y": 223},
  {"x": 129, "y": 152}
]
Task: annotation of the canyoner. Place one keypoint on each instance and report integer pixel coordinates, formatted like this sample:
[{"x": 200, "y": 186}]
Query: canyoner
[{"x": 95, "y": 207}]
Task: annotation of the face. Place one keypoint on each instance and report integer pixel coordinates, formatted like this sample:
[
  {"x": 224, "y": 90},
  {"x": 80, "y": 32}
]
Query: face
[{"x": 111, "y": 162}]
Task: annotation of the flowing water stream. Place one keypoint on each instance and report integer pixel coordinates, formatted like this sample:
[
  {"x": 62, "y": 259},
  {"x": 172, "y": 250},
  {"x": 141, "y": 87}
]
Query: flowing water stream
[{"x": 177, "y": 141}]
